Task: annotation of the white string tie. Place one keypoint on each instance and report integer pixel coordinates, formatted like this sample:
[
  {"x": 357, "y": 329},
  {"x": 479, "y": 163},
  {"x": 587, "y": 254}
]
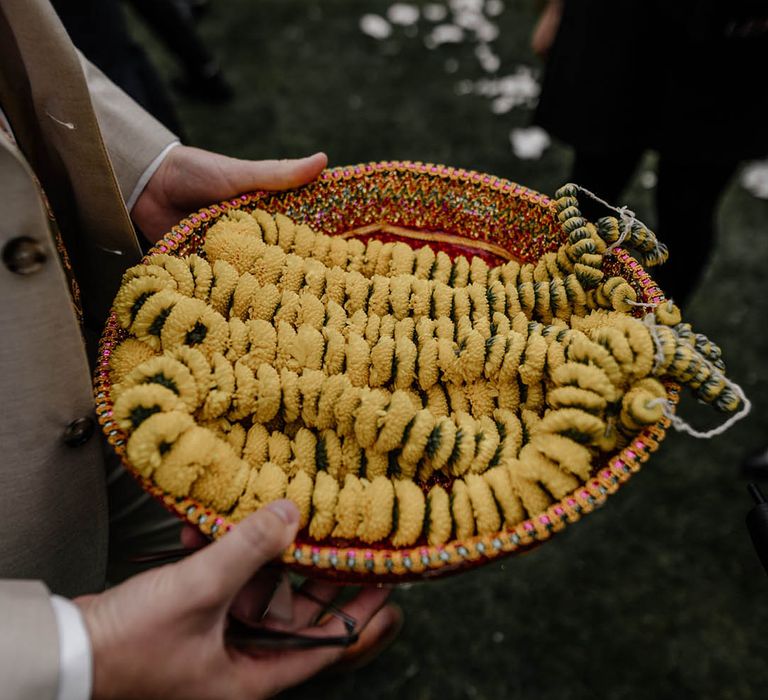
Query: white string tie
[
  {"x": 658, "y": 356},
  {"x": 642, "y": 304},
  {"x": 682, "y": 427},
  {"x": 627, "y": 218}
]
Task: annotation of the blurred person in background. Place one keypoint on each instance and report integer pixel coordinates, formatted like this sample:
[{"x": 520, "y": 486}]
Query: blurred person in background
[
  {"x": 173, "y": 22},
  {"x": 683, "y": 78},
  {"x": 100, "y": 30},
  {"x": 625, "y": 76}
]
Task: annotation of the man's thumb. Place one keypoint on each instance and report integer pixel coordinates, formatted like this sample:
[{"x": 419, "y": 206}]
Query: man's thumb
[
  {"x": 228, "y": 564},
  {"x": 246, "y": 175}
]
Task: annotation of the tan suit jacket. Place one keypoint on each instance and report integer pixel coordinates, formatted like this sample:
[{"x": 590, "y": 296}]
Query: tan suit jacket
[{"x": 87, "y": 143}]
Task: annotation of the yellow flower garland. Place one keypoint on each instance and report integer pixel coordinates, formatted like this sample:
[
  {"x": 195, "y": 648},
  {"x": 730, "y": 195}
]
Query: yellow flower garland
[{"x": 393, "y": 393}]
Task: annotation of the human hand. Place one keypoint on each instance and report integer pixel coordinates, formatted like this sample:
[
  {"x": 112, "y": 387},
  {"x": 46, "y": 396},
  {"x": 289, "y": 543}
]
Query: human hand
[
  {"x": 190, "y": 178},
  {"x": 162, "y": 634},
  {"x": 546, "y": 28}
]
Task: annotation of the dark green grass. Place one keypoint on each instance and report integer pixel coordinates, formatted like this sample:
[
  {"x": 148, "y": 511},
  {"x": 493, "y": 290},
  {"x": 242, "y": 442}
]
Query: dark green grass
[{"x": 657, "y": 595}]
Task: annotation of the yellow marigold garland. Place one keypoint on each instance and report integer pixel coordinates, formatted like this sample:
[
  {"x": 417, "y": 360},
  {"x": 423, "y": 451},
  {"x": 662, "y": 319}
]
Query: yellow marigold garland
[{"x": 393, "y": 393}]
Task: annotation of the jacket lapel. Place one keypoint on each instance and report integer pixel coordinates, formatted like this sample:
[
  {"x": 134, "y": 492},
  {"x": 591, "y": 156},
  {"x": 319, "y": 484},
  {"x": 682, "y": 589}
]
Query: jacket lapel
[{"x": 50, "y": 110}]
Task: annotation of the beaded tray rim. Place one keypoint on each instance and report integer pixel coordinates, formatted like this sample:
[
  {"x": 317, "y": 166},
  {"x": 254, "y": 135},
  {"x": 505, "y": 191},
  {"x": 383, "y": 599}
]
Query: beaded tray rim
[{"x": 364, "y": 564}]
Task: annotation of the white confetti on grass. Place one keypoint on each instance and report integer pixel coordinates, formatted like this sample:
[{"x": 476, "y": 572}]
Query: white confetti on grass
[
  {"x": 435, "y": 12},
  {"x": 529, "y": 143},
  {"x": 754, "y": 178},
  {"x": 474, "y": 6},
  {"x": 403, "y": 14},
  {"x": 493, "y": 8},
  {"x": 464, "y": 87},
  {"x": 503, "y": 104},
  {"x": 456, "y": 22},
  {"x": 518, "y": 89},
  {"x": 648, "y": 179},
  {"x": 487, "y": 32},
  {"x": 469, "y": 19},
  {"x": 488, "y": 60},
  {"x": 375, "y": 26},
  {"x": 468, "y": 14},
  {"x": 444, "y": 34}
]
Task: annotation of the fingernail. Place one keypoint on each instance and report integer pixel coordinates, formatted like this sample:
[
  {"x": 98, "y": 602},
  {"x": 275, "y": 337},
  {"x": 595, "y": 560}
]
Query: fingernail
[{"x": 285, "y": 510}]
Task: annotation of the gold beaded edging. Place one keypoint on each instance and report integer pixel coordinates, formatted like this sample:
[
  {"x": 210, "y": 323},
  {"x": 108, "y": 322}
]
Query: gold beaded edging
[{"x": 488, "y": 212}]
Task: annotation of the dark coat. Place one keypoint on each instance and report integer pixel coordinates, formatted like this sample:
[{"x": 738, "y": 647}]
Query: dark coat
[{"x": 688, "y": 77}]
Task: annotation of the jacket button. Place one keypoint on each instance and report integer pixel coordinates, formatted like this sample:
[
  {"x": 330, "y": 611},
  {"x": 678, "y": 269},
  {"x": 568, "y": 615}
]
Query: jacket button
[
  {"x": 23, "y": 255},
  {"x": 79, "y": 431}
]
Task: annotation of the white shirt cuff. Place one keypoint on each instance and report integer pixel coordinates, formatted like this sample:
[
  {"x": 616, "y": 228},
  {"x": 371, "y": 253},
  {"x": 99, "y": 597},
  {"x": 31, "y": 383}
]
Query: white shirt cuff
[
  {"x": 147, "y": 175},
  {"x": 75, "y": 661}
]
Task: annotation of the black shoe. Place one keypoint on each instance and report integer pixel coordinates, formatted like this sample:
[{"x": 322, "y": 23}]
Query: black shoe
[{"x": 756, "y": 465}]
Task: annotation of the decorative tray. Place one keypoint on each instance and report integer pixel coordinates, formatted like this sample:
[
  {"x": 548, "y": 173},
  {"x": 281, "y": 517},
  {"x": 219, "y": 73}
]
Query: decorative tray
[{"x": 482, "y": 230}]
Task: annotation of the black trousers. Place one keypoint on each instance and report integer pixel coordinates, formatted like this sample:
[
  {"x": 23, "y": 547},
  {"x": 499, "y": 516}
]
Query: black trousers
[{"x": 686, "y": 199}]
